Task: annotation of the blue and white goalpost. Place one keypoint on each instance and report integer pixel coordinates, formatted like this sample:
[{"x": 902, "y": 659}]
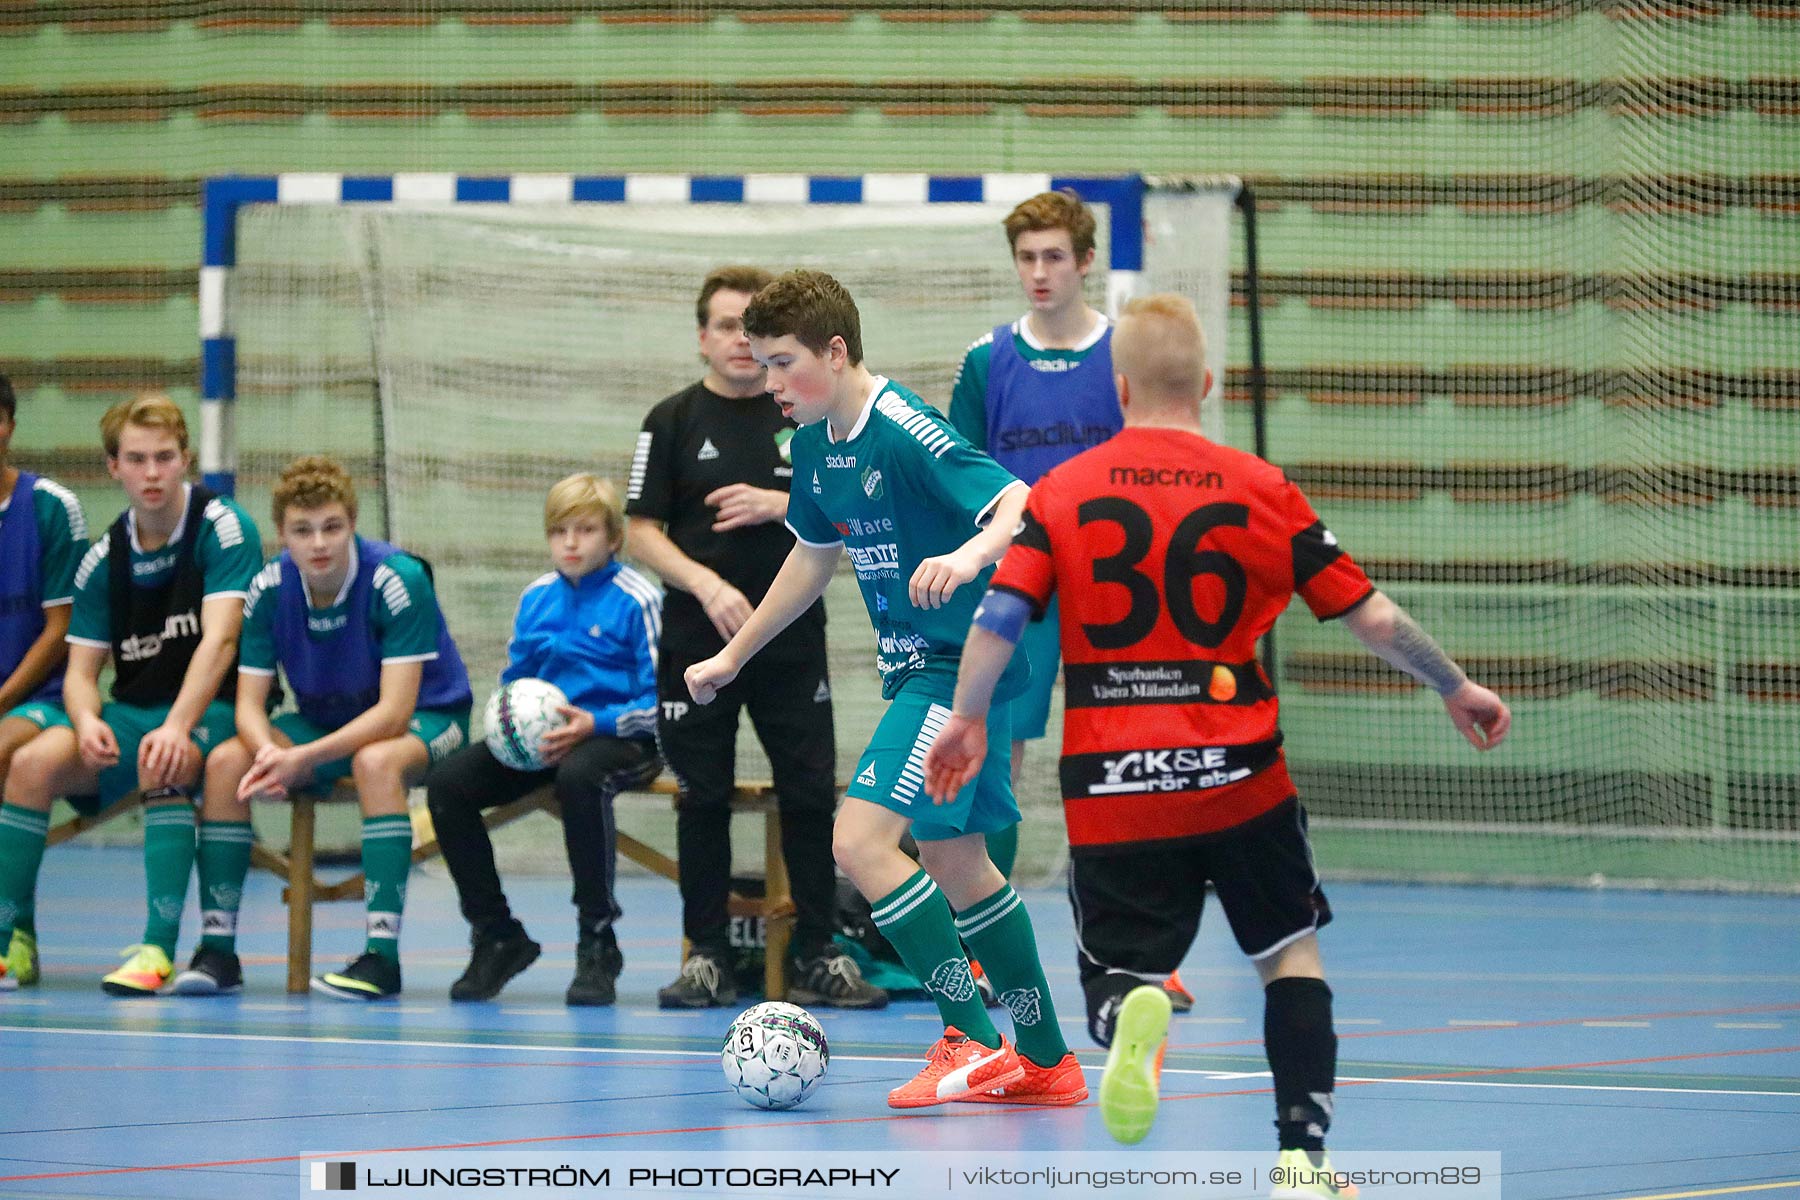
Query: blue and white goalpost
[{"x": 1186, "y": 223}]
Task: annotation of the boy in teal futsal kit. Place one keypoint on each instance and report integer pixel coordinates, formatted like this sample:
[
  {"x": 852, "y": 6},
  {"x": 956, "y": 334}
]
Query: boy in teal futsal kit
[
  {"x": 879, "y": 473},
  {"x": 43, "y": 535},
  {"x": 162, "y": 594}
]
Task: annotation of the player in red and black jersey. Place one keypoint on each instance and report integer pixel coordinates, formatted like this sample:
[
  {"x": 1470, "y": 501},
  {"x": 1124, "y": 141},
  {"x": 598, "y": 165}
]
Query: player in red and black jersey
[{"x": 1173, "y": 556}]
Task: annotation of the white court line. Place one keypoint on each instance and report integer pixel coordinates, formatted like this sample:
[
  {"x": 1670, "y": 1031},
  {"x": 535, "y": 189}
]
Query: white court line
[
  {"x": 1565, "y": 1087},
  {"x": 414, "y": 1044},
  {"x": 1746, "y": 1024},
  {"x": 510, "y": 1011}
]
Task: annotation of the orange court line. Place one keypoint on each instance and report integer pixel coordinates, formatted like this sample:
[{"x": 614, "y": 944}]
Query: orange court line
[
  {"x": 586, "y": 1064},
  {"x": 568, "y": 1137},
  {"x": 626, "y": 1133}
]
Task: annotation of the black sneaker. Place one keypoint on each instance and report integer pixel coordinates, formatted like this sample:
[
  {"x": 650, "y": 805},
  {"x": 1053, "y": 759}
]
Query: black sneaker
[
  {"x": 703, "y": 983},
  {"x": 492, "y": 962},
  {"x": 833, "y": 980},
  {"x": 597, "y": 966},
  {"x": 211, "y": 973},
  {"x": 370, "y": 977}
]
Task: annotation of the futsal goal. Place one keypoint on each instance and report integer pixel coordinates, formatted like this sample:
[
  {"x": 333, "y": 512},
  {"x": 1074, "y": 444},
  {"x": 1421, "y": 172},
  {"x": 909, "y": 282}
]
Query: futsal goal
[{"x": 462, "y": 342}]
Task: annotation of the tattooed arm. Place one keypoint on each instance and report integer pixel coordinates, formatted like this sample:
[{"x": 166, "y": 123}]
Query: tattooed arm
[{"x": 1392, "y": 635}]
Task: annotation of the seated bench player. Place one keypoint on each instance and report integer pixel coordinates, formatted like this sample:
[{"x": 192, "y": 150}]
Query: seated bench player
[
  {"x": 43, "y": 535},
  {"x": 162, "y": 595},
  {"x": 380, "y": 693}
]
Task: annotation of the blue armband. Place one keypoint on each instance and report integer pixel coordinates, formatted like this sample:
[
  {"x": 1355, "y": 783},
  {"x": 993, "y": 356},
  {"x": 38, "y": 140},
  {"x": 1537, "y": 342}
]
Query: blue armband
[{"x": 1003, "y": 614}]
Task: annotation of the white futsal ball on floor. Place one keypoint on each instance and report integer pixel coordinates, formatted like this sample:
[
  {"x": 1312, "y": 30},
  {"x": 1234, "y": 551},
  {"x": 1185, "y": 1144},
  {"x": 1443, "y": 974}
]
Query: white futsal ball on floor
[
  {"x": 775, "y": 1055},
  {"x": 519, "y": 714}
]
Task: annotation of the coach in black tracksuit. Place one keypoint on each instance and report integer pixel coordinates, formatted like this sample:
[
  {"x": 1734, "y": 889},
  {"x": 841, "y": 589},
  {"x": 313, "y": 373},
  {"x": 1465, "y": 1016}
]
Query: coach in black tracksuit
[{"x": 707, "y": 502}]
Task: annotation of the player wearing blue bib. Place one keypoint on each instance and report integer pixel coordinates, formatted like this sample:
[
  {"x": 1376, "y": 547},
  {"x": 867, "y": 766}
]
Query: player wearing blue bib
[
  {"x": 380, "y": 694},
  {"x": 162, "y": 595},
  {"x": 43, "y": 535},
  {"x": 1035, "y": 393},
  {"x": 880, "y": 475}
]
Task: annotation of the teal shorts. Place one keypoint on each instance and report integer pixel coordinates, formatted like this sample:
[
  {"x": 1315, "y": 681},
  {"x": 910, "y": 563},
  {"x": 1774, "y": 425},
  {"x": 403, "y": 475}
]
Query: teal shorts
[
  {"x": 1041, "y": 644},
  {"x": 443, "y": 730},
  {"x": 131, "y": 724},
  {"x": 45, "y": 714},
  {"x": 891, "y": 772}
]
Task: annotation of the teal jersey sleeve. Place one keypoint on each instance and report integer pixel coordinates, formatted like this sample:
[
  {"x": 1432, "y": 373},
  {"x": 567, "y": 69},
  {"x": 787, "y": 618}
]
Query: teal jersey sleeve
[
  {"x": 256, "y": 643},
  {"x": 959, "y": 479},
  {"x": 968, "y": 393},
  {"x": 403, "y": 610},
  {"x": 804, "y": 517},
  {"x": 91, "y": 622},
  {"x": 230, "y": 549},
  {"x": 62, "y": 539}
]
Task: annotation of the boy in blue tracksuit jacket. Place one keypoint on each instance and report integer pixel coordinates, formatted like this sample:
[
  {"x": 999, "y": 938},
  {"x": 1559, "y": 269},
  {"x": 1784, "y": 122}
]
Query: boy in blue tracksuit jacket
[{"x": 590, "y": 627}]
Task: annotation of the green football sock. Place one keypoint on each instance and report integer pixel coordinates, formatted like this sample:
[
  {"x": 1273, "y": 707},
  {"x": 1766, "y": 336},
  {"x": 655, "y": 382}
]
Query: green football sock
[
  {"x": 22, "y": 834},
  {"x": 998, "y": 932},
  {"x": 224, "y": 859},
  {"x": 168, "y": 862},
  {"x": 916, "y": 918},
  {"x": 1003, "y": 848},
  {"x": 386, "y": 859}
]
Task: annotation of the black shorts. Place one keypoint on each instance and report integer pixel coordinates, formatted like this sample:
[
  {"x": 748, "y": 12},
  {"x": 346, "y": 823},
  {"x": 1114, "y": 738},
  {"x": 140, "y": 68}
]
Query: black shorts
[{"x": 1138, "y": 910}]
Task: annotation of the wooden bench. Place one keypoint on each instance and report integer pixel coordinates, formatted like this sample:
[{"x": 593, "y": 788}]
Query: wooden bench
[{"x": 304, "y": 887}]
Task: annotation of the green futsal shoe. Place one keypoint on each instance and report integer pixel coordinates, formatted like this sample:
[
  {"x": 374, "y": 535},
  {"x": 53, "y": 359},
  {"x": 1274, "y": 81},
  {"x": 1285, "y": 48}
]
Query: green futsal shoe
[
  {"x": 1297, "y": 1176},
  {"x": 22, "y": 959},
  {"x": 1128, "y": 1092}
]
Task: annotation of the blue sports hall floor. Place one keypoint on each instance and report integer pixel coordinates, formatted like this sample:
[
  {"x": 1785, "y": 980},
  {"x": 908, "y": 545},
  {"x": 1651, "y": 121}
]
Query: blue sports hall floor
[{"x": 1608, "y": 1044}]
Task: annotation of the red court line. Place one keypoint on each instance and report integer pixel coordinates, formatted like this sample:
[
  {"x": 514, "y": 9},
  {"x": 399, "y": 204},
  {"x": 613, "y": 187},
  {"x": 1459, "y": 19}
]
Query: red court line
[
  {"x": 627, "y": 1133},
  {"x": 586, "y": 1065},
  {"x": 1546, "y": 1024},
  {"x": 567, "y": 1137}
]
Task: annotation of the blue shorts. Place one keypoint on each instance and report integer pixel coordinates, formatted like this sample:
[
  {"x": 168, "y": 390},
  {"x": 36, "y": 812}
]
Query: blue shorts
[
  {"x": 891, "y": 772},
  {"x": 443, "y": 730},
  {"x": 1041, "y": 644}
]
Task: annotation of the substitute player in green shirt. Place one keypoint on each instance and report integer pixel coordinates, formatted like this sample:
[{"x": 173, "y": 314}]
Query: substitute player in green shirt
[
  {"x": 161, "y": 594},
  {"x": 881, "y": 475}
]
